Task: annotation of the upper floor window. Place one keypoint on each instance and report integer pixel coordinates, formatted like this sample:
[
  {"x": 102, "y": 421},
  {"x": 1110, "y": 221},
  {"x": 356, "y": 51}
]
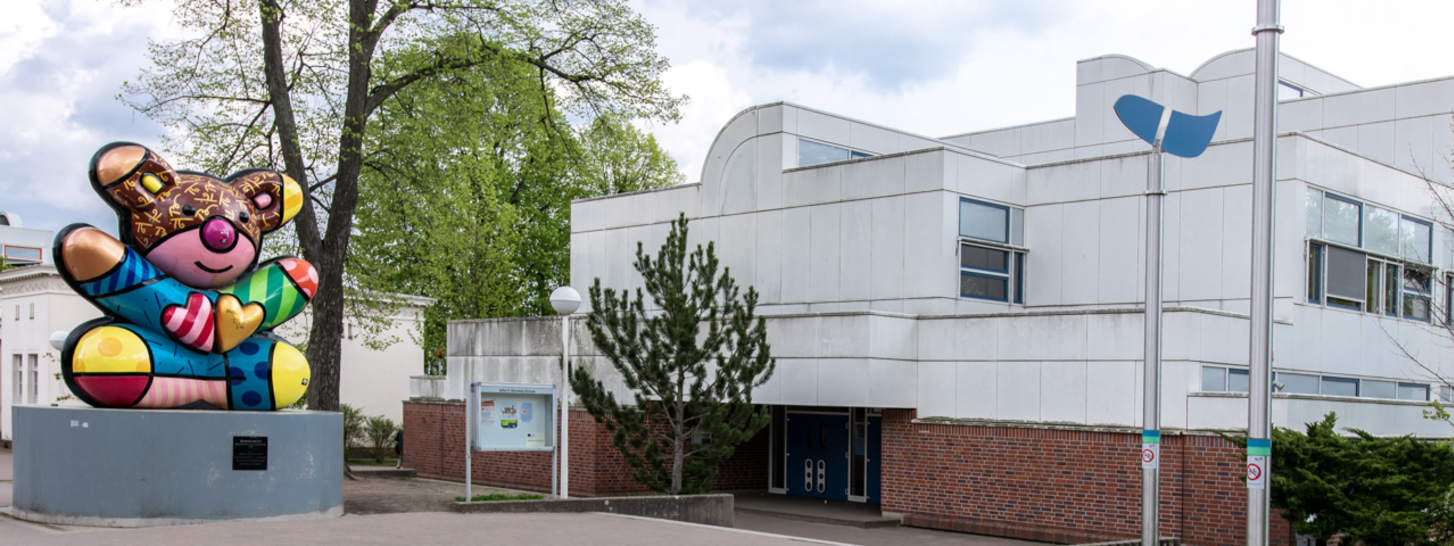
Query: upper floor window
[
  {"x": 812, "y": 152},
  {"x": 991, "y": 260}
]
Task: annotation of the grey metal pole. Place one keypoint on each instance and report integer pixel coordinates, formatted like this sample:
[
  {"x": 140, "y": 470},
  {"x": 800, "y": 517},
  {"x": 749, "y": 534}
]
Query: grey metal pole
[
  {"x": 471, "y": 406},
  {"x": 565, "y": 410},
  {"x": 1264, "y": 150},
  {"x": 1151, "y": 407}
]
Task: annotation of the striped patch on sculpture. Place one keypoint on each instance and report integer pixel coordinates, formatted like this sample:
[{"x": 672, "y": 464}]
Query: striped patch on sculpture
[{"x": 170, "y": 392}]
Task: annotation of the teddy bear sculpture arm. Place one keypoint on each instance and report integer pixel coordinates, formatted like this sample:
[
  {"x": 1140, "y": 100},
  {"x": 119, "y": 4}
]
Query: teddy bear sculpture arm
[{"x": 189, "y": 309}]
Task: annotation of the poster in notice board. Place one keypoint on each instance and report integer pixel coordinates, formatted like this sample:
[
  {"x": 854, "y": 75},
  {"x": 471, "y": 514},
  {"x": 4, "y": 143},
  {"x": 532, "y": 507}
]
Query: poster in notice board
[{"x": 512, "y": 416}]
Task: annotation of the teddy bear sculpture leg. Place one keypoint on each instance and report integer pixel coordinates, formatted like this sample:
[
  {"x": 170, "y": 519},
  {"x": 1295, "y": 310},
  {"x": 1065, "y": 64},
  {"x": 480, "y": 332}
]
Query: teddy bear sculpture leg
[{"x": 120, "y": 365}]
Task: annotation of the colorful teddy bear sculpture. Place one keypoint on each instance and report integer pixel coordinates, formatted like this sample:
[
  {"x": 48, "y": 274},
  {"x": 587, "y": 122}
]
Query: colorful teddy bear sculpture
[{"x": 189, "y": 311}]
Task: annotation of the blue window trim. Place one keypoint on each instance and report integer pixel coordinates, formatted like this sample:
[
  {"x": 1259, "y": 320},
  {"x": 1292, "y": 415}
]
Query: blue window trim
[
  {"x": 1357, "y": 388},
  {"x": 994, "y": 205},
  {"x": 972, "y": 272},
  {"x": 1350, "y": 201}
]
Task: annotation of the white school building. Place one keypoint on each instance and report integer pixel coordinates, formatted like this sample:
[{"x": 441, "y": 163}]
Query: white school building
[{"x": 989, "y": 285}]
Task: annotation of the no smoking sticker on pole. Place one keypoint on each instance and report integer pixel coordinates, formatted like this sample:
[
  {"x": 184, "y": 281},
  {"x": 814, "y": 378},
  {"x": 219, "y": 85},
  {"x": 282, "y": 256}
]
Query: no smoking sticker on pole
[{"x": 1150, "y": 449}]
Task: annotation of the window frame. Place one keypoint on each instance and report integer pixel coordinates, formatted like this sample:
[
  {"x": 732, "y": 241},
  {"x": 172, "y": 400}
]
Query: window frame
[{"x": 39, "y": 255}]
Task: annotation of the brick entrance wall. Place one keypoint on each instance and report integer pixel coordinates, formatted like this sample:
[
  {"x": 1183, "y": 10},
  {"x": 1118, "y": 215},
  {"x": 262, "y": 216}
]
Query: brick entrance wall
[
  {"x": 1063, "y": 486},
  {"x": 434, "y": 447}
]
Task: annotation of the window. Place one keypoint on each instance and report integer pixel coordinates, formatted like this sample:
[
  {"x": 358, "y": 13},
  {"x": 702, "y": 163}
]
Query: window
[
  {"x": 17, "y": 387},
  {"x": 1413, "y": 391},
  {"x": 32, "y": 311},
  {"x": 1216, "y": 379},
  {"x": 22, "y": 254},
  {"x": 1376, "y": 271},
  {"x": 992, "y": 271},
  {"x": 1340, "y": 386},
  {"x": 1298, "y": 383},
  {"x": 1315, "y": 273},
  {"x": 1380, "y": 231},
  {"x": 1416, "y": 237},
  {"x": 1380, "y": 389},
  {"x": 1345, "y": 278},
  {"x": 817, "y": 153},
  {"x": 1287, "y": 91},
  {"x": 1342, "y": 220},
  {"x": 985, "y": 221},
  {"x": 1416, "y": 293},
  {"x": 34, "y": 378},
  {"x": 1449, "y": 299}
]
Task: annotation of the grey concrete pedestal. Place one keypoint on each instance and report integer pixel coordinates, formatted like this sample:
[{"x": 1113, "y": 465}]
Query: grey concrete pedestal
[{"x": 136, "y": 468}]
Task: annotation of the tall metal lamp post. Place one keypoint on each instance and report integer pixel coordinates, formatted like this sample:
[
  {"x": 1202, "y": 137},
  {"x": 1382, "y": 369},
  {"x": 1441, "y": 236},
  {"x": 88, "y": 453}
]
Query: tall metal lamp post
[
  {"x": 565, "y": 300},
  {"x": 1186, "y": 136}
]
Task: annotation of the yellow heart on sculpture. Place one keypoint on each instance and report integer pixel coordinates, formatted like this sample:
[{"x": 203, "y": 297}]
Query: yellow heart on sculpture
[{"x": 235, "y": 321}]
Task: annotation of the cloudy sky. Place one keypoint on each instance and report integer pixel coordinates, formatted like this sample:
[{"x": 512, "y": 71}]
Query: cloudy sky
[{"x": 935, "y": 67}]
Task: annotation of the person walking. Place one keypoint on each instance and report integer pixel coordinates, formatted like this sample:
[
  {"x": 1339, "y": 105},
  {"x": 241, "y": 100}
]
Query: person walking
[{"x": 399, "y": 447}]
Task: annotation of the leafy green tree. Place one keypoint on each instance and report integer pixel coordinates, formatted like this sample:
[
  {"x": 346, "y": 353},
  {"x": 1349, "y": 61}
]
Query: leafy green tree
[
  {"x": 685, "y": 383},
  {"x": 296, "y": 84},
  {"x": 618, "y": 158},
  {"x": 468, "y": 200},
  {"x": 1371, "y": 490}
]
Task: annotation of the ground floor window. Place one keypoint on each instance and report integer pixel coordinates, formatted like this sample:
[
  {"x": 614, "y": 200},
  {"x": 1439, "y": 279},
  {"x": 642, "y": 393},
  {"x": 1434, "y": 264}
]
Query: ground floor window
[{"x": 1229, "y": 379}]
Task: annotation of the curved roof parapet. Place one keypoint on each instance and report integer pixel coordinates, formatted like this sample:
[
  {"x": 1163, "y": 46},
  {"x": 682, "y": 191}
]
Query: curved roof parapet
[
  {"x": 1138, "y": 62},
  {"x": 1216, "y": 59},
  {"x": 11, "y": 219}
]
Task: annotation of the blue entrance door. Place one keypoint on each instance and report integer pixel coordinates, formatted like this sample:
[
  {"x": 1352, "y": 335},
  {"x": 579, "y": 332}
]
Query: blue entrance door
[{"x": 817, "y": 455}]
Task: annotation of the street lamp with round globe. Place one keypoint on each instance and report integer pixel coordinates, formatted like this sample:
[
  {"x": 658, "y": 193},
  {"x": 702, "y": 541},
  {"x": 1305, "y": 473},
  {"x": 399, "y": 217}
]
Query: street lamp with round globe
[{"x": 565, "y": 300}]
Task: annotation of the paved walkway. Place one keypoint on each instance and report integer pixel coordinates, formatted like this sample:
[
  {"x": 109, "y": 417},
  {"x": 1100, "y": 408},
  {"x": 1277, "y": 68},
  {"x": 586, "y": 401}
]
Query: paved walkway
[{"x": 394, "y": 511}]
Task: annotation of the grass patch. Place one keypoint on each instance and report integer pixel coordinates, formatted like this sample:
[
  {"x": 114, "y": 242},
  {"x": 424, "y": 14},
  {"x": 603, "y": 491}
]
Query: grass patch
[{"x": 501, "y": 497}]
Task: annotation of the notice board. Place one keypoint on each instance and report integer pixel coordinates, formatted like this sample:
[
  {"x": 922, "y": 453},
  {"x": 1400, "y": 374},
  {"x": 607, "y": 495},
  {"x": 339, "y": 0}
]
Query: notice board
[{"x": 512, "y": 416}]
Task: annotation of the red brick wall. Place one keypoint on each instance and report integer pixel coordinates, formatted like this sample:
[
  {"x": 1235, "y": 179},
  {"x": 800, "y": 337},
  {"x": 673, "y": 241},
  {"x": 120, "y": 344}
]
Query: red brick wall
[
  {"x": 1061, "y": 485},
  {"x": 434, "y": 447}
]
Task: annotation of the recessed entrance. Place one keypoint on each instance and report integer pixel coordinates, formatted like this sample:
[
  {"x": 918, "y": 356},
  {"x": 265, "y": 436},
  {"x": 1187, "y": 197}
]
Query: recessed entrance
[{"x": 825, "y": 452}]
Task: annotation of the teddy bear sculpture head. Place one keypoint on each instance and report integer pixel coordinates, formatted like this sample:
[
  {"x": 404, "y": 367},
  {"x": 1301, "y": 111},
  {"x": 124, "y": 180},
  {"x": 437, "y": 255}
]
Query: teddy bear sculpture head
[{"x": 204, "y": 231}]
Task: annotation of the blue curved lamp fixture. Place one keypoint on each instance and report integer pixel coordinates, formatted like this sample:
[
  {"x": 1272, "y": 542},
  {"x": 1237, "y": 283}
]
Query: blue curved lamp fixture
[{"x": 1182, "y": 135}]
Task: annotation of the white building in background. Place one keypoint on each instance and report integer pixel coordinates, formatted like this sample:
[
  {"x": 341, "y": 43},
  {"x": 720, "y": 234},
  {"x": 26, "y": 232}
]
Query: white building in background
[
  {"x": 35, "y": 302},
  {"x": 22, "y": 246},
  {"x": 994, "y": 278}
]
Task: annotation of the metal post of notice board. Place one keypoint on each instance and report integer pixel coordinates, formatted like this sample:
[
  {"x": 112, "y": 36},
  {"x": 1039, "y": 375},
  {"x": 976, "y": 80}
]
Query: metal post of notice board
[{"x": 507, "y": 417}]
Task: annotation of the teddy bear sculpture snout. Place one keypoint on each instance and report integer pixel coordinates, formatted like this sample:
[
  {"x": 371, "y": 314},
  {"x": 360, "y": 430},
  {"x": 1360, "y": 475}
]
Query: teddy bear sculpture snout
[{"x": 219, "y": 235}]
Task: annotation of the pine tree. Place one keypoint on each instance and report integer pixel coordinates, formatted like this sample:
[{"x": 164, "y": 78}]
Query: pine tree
[{"x": 686, "y": 384}]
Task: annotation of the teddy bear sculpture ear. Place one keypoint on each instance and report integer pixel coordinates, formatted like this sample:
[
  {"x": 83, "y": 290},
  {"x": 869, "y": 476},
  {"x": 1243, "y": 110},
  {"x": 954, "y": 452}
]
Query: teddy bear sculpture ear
[
  {"x": 130, "y": 177},
  {"x": 276, "y": 196}
]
